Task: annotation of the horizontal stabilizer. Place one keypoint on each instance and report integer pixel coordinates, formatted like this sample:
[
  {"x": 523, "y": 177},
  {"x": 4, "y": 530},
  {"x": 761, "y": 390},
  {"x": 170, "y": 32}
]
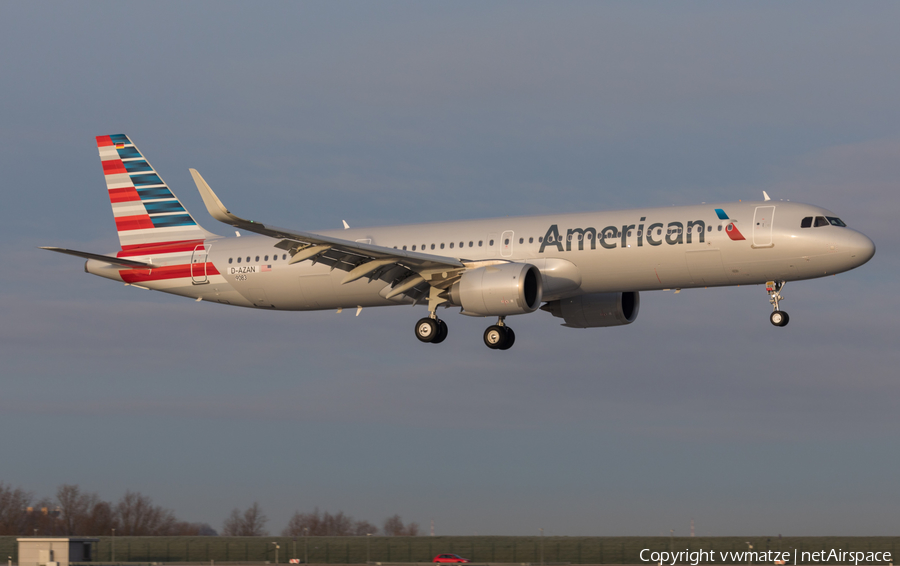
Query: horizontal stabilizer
[{"x": 99, "y": 257}]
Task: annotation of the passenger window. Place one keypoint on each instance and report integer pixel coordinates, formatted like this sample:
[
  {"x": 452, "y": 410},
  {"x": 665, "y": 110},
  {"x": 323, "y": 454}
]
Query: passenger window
[
  {"x": 462, "y": 244},
  {"x": 540, "y": 239},
  {"x": 266, "y": 258},
  {"x": 640, "y": 232},
  {"x": 257, "y": 258},
  {"x": 820, "y": 221},
  {"x": 432, "y": 246},
  {"x": 530, "y": 240},
  {"x": 659, "y": 232},
  {"x": 709, "y": 228},
  {"x": 471, "y": 243},
  {"x": 283, "y": 256},
  {"x": 404, "y": 248},
  {"x": 229, "y": 259},
  {"x": 521, "y": 240},
  {"x": 720, "y": 227},
  {"x": 479, "y": 243},
  {"x": 451, "y": 245},
  {"x": 806, "y": 222},
  {"x": 506, "y": 242},
  {"x": 414, "y": 247},
  {"x": 248, "y": 259},
  {"x": 275, "y": 257},
  {"x": 442, "y": 246},
  {"x": 239, "y": 260},
  {"x": 629, "y": 233}
]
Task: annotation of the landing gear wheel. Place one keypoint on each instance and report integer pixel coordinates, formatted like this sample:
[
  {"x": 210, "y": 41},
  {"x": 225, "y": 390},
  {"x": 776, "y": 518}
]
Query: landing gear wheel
[
  {"x": 495, "y": 337},
  {"x": 510, "y": 338},
  {"x": 427, "y": 330},
  {"x": 779, "y": 318},
  {"x": 442, "y": 332}
]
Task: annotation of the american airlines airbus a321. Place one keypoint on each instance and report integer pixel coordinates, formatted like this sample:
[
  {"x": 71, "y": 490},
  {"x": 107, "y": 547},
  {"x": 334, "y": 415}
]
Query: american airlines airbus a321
[{"x": 585, "y": 268}]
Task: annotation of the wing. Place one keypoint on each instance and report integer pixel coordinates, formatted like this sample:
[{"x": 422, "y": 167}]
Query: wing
[{"x": 408, "y": 273}]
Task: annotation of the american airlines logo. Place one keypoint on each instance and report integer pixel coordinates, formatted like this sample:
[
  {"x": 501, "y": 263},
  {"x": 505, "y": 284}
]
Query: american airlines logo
[{"x": 613, "y": 237}]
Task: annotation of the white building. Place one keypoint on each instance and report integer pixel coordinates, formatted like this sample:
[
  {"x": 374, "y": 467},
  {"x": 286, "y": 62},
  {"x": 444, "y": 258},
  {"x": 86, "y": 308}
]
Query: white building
[{"x": 34, "y": 551}]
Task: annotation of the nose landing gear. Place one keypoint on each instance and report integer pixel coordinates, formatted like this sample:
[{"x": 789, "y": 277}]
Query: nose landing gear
[
  {"x": 499, "y": 336},
  {"x": 778, "y": 316}
]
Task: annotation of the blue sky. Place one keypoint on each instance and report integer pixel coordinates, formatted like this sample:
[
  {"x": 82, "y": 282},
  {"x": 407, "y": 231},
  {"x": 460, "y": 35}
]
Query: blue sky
[{"x": 304, "y": 114}]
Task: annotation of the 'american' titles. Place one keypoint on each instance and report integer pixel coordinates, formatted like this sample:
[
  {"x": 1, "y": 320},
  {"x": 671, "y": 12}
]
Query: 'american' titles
[{"x": 612, "y": 237}]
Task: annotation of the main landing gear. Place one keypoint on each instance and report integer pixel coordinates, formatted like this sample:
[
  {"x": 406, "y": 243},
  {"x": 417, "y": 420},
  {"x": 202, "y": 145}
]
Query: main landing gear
[
  {"x": 434, "y": 330},
  {"x": 499, "y": 336},
  {"x": 778, "y": 316},
  {"x": 431, "y": 330}
]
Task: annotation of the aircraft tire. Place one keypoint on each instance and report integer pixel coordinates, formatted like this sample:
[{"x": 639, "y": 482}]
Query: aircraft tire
[
  {"x": 510, "y": 338},
  {"x": 779, "y": 318},
  {"x": 495, "y": 337},
  {"x": 442, "y": 332},
  {"x": 427, "y": 330}
]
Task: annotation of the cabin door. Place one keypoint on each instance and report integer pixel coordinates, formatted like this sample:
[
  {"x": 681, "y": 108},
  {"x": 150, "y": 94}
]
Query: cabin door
[
  {"x": 198, "y": 265},
  {"x": 762, "y": 226}
]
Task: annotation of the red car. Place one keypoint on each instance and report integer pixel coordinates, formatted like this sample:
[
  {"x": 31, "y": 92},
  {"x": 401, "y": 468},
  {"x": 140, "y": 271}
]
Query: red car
[{"x": 450, "y": 558}]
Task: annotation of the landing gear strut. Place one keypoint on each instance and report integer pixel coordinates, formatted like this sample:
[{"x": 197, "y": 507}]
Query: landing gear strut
[
  {"x": 499, "y": 336},
  {"x": 778, "y": 316},
  {"x": 431, "y": 329}
]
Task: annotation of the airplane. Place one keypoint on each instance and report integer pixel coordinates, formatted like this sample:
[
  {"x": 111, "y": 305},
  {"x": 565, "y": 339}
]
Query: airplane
[{"x": 586, "y": 268}]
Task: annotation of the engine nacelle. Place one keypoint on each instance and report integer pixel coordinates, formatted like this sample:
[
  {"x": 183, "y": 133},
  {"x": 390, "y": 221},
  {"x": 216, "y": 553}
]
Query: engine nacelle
[
  {"x": 597, "y": 309},
  {"x": 499, "y": 290}
]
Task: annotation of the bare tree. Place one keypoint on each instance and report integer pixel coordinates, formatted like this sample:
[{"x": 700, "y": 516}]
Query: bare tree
[
  {"x": 137, "y": 516},
  {"x": 325, "y": 524},
  {"x": 13, "y": 510},
  {"x": 101, "y": 520},
  {"x": 393, "y": 526},
  {"x": 250, "y": 523},
  {"x": 362, "y": 528},
  {"x": 75, "y": 508}
]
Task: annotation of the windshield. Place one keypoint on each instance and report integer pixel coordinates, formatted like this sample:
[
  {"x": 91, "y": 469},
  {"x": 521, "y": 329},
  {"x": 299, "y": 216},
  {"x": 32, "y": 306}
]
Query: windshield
[{"x": 835, "y": 221}]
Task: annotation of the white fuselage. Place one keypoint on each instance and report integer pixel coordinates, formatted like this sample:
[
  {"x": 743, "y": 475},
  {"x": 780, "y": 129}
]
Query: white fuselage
[{"x": 581, "y": 253}]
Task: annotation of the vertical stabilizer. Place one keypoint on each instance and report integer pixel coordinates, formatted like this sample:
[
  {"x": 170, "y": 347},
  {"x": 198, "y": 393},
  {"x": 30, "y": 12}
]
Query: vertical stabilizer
[{"x": 145, "y": 210}]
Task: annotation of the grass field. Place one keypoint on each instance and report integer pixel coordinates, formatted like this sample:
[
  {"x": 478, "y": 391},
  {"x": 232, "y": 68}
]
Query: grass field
[{"x": 355, "y": 550}]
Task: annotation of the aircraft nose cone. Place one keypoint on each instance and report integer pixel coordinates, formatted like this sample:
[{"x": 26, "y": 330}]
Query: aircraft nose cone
[{"x": 861, "y": 247}]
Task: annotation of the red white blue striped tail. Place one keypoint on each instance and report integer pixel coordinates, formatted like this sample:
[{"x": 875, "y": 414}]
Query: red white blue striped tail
[{"x": 146, "y": 211}]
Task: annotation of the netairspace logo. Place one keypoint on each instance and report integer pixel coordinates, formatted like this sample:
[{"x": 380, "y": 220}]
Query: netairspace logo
[{"x": 695, "y": 557}]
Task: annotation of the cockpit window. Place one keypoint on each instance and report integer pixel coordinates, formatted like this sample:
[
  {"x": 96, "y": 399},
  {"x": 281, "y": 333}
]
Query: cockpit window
[
  {"x": 820, "y": 221},
  {"x": 836, "y": 221},
  {"x": 806, "y": 222}
]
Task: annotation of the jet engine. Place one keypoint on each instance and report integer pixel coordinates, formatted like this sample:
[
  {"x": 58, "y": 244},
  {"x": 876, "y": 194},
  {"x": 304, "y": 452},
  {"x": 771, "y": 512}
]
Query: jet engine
[
  {"x": 499, "y": 290},
  {"x": 597, "y": 309}
]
